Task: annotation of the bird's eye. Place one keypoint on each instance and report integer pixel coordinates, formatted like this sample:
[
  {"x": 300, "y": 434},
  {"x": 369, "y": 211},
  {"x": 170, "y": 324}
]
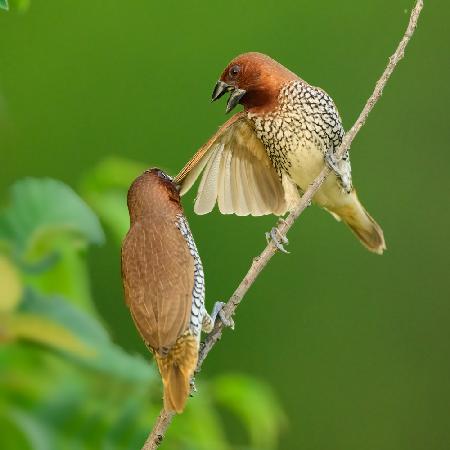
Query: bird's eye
[{"x": 235, "y": 70}]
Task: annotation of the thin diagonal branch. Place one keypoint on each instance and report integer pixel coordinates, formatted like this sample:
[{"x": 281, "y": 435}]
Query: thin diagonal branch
[{"x": 258, "y": 264}]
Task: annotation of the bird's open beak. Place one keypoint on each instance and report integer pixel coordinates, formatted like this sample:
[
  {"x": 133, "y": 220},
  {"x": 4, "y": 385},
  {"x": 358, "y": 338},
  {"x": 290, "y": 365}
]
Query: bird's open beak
[
  {"x": 236, "y": 94},
  {"x": 219, "y": 89}
]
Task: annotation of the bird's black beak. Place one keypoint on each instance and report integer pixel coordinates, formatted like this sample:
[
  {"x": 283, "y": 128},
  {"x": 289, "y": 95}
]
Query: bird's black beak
[
  {"x": 236, "y": 94},
  {"x": 234, "y": 99},
  {"x": 220, "y": 89},
  {"x": 161, "y": 174}
]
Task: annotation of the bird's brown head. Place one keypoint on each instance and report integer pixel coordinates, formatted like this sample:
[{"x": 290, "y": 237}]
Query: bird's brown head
[
  {"x": 153, "y": 193},
  {"x": 254, "y": 80}
]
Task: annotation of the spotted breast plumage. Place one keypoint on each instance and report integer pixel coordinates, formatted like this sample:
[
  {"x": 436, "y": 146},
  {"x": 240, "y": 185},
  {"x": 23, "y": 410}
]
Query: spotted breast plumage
[{"x": 264, "y": 157}]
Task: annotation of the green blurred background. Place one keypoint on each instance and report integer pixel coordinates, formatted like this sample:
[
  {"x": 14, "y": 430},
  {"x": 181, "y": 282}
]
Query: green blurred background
[{"x": 354, "y": 347}]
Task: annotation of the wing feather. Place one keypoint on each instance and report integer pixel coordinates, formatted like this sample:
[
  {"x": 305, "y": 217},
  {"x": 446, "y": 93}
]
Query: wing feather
[
  {"x": 237, "y": 173},
  {"x": 235, "y": 185},
  {"x": 251, "y": 189},
  {"x": 158, "y": 277},
  {"x": 225, "y": 199},
  {"x": 195, "y": 173},
  {"x": 207, "y": 192},
  {"x": 246, "y": 194}
]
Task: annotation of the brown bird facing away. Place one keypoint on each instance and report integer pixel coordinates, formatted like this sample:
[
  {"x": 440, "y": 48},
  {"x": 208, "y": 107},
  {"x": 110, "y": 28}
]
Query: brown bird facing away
[
  {"x": 164, "y": 283},
  {"x": 261, "y": 158}
]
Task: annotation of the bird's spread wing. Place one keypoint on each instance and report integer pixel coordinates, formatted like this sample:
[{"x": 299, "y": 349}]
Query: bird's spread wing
[
  {"x": 237, "y": 173},
  {"x": 158, "y": 276}
]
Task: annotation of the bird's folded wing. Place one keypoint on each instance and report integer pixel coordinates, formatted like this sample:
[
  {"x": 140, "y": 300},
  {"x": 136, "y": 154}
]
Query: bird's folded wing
[
  {"x": 158, "y": 277},
  {"x": 237, "y": 173}
]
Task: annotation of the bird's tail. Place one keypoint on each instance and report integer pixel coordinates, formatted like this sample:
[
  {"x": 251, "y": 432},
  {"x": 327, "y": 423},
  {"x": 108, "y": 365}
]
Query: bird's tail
[
  {"x": 177, "y": 369},
  {"x": 362, "y": 224}
]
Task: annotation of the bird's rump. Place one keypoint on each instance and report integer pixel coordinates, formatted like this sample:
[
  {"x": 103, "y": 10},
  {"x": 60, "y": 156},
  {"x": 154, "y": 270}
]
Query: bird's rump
[{"x": 237, "y": 173}]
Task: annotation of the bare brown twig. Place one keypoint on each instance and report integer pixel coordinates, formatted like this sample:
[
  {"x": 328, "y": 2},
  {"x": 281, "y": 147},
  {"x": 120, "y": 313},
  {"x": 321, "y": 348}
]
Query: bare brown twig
[{"x": 258, "y": 264}]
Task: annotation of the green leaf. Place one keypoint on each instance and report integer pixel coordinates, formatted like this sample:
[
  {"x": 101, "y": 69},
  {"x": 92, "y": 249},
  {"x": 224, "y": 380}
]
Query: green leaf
[
  {"x": 39, "y": 436},
  {"x": 42, "y": 210},
  {"x": 13, "y": 436},
  {"x": 32, "y": 327},
  {"x": 4, "y": 4},
  {"x": 97, "y": 351},
  {"x": 62, "y": 312},
  {"x": 62, "y": 273},
  {"x": 105, "y": 188},
  {"x": 10, "y": 286},
  {"x": 254, "y": 404}
]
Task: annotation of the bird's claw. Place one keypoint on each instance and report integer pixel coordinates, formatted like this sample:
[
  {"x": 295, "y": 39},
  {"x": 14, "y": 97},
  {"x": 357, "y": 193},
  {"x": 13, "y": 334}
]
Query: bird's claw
[
  {"x": 218, "y": 311},
  {"x": 278, "y": 239}
]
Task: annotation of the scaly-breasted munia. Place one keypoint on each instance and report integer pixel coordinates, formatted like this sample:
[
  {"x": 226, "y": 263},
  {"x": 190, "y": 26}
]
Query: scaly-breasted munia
[
  {"x": 261, "y": 157},
  {"x": 164, "y": 283}
]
